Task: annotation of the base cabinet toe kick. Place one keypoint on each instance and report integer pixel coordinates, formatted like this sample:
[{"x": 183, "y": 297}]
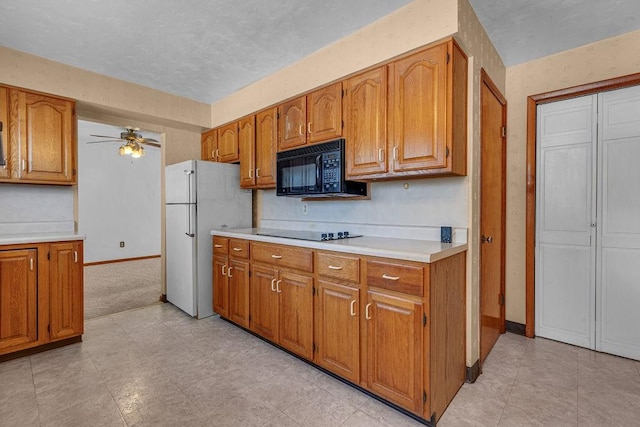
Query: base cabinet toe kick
[{"x": 393, "y": 328}]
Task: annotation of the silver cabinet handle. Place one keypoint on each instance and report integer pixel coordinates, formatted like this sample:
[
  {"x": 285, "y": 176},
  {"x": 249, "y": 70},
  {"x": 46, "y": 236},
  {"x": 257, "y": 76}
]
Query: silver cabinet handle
[
  {"x": 309, "y": 127},
  {"x": 273, "y": 285},
  {"x": 257, "y": 172},
  {"x": 384, "y": 276},
  {"x": 367, "y": 314},
  {"x": 380, "y": 154},
  {"x": 31, "y": 264},
  {"x": 213, "y": 154},
  {"x": 217, "y": 153},
  {"x": 276, "y": 256},
  {"x": 487, "y": 239},
  {"x": 251, "y": 173},
  {"x": 278, "y": 290},
  {"x": 223, "y": 267},
  {"x": 353, "y": 307},
  {"x": 300, "y": 130},
  {"x": 24, "y": 165},
  {"x": 395, "y": 153},
  {"x": 229, "y": 272},
  {"x": 75, "y": 256},
  {"x": 335, "y": 267}
]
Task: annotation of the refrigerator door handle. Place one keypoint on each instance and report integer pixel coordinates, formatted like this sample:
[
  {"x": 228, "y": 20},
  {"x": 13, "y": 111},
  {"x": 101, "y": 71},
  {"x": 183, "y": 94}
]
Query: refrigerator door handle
[
  {"x": 187, "y": 175},
  {"x": 188, "y": 222}
]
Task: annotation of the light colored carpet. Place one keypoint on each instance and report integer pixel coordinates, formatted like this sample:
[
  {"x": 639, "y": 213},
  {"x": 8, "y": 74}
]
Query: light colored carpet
[{"x": 119, "y": 286}]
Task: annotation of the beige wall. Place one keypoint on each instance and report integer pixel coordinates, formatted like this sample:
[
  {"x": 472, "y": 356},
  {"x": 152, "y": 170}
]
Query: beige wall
[
  {"x": 614, "y": 57},
  {"x": 477, "y": 45},
  {"x": 417, "y": 24}
]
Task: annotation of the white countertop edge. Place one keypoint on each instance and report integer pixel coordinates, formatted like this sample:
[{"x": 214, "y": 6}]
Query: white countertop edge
[
  {"x": 435, "y": 250},
  {"x": 26, "y": 238}
]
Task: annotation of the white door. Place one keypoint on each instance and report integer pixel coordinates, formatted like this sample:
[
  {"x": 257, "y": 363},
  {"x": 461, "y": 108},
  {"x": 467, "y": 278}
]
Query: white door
[
  {"x": 588, "y": 222},
  {"x": 618, "y": 298},
  {"x": 565, "y": 248},
  {"x": 181, "y": 257}
]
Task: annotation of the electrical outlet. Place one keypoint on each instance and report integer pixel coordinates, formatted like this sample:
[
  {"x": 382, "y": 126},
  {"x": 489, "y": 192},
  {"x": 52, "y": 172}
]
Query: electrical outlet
[
  {"x": 122, "y": 244},
  {"x": 305, "y": 209}
]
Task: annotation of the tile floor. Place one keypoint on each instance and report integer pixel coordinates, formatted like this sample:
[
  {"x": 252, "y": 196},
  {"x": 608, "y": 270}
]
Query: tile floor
[{"x": 158, "y": 367}]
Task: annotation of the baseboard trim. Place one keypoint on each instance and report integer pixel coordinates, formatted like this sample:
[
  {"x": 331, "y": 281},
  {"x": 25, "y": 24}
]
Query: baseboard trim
[
  {"x": 473, "y": 372},
  {"x": 516, "y": 328},
  {"x": 40, "y": 348},
  {"x": 111, "y": 261}
]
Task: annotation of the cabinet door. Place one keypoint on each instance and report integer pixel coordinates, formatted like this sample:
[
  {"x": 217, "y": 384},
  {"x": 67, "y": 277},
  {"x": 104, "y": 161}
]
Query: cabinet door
[
  {"x": 264, "y": 302},
  {"x": 266, "y": 141},
  {"x": 238, "y": 274},
  {"x": 66, "y": 290},
  {"x": 18, "y": 298},
  {"x": 5, "y": 171},
  {"x": 394, "y": 349},
  {"x": 220, "y": 285},
  {"x": 324, "y": 113},
  {"x": 228, "y": 151},
  {"x": 337, "y": 330},
  {"x": 296, "y": 313},
  {"x": 366, "y": 120},
  {"x": 293, "y": 123},
  {"x": 418, "y": 100},
  {"x": 47, "y": 137},
  {"x": 247, "y": 147},
  {"x": 209, "y": 145}
]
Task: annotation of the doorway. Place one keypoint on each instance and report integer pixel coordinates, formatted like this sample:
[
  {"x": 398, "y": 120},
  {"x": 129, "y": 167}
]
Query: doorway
[
  {"x": 587, "y": 252},
  {"x": 493, "y": 115}
]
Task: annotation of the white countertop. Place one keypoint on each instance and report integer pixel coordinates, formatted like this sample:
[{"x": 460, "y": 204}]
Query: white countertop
[
  {"x": 404, "y": 249},
  {"x": 15, "y": 239}
]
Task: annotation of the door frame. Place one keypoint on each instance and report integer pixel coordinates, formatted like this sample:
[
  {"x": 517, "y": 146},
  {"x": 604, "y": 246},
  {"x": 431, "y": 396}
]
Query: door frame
[
  {"x": 532, "y": 125},
  {"x": 486, "y": 80}
]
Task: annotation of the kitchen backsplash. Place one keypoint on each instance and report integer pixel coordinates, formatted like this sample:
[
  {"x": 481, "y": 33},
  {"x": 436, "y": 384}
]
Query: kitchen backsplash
[
  {"x": 415, "y": 212},
  {"x": 35, "y": 208}
]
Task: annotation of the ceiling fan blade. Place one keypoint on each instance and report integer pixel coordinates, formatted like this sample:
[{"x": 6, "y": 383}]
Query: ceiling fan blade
[
  {"x": 104, "y": 136},
  {"x": 151, "y": 139},
  {"x": 105, "y": 140},
  {"x": 153, "y": 144}
]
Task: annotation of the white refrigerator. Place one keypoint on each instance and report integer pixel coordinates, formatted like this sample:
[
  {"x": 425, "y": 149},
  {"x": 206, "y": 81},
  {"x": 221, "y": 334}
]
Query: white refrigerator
[{"x": 200, "y": 196}]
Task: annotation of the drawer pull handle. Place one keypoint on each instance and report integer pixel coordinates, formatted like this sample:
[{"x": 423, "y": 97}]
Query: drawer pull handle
[
  {"x": 217, "y": 246},
  {"x": 335, "y": 267},
  {"x": 367, "y": 313},
  {"x": 223, "y": 272},
  {"x": 278, "y": 290},
  {"x": 276, "y": 256},
  {"x": 237, "y": 249},
  {"x": 353, "y": 307},
  {"x": 273, "y": 285},
  {"x": 384, "y": 276}
]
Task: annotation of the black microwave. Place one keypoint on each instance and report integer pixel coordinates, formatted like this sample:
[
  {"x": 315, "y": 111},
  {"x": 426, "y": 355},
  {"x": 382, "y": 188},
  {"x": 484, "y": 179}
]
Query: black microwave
[{"x": 315, "y": 171}]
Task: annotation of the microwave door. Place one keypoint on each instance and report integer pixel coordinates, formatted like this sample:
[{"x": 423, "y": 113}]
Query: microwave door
[{"x": 318, "y": 186}]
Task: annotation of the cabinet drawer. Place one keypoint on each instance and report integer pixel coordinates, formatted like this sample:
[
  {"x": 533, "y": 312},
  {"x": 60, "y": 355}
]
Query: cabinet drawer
[
  {"x": 339, "y": 267},
  {"x": 239, "y": 248},
  {"x": 283, "y": 256},
  {"x": 404, "y": 278},
  {"x": 220, "y": 245}
]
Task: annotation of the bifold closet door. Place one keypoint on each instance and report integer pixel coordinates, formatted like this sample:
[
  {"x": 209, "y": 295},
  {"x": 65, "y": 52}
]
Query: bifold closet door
[
  {"x": 618, "y": 284},
  {"x": 565, "y": 218}
]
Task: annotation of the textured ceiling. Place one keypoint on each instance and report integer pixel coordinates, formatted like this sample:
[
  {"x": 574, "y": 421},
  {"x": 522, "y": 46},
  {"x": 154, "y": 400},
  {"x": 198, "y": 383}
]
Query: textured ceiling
[
  {"x": 523, "y": 30},
  {"x": 199, "y": 49},
  {"x": 208, "y": 49}
]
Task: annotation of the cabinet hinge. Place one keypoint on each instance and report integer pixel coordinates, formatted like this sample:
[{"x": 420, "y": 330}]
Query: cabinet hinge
[
  {"x": 49, "y": 255},
  {"x": 343, "y": 124},
  {"x": 278, "y": 115},
  {"x": 48, "y": 328},
  {"x": 424, "y": 396},
  {"x": 448, "y": 57},
  {"x": 343, "y": 92},
  {"x": 424, "y": 319},
  {"x": 314, "y": 348},
  {"x": 503, "y": 131},
  {"x": 446, "y": 152},
  {"x": 313, "y": 290},
  {"x": 501, "y": 299}
]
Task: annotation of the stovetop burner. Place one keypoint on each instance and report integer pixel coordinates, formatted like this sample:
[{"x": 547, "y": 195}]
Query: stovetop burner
[{"x": 318, "y": 236}]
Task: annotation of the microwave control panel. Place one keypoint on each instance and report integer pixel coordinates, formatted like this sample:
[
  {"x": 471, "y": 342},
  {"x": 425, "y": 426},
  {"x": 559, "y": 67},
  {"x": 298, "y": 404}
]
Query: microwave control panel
[{"x": 331, "y": 172}]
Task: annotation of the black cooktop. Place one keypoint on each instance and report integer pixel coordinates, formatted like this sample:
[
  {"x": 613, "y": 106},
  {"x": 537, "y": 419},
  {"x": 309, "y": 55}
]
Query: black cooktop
[{"x": 318, "y": 236}]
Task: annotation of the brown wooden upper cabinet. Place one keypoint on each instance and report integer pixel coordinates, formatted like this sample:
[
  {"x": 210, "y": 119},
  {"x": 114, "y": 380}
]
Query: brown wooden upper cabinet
[
  {"x": 258, "y": 150},
  {"x": 39, "y": 137},
  {"x": 209, "y": 142},
  {"x": 222, "y": 144},
  {"x": 425, "y": 116},
  {"x": 313, "y": 118}
]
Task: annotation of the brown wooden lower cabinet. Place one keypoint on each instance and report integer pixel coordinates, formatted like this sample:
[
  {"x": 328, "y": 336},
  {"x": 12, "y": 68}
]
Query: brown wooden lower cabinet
[
  {"x": 41, "y": 294},
  {"x": 396, "y": 328}
]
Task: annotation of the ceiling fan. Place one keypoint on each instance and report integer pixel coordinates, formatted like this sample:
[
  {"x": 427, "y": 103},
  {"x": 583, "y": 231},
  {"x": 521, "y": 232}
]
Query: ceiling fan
[{"x": 132, "y": 142}]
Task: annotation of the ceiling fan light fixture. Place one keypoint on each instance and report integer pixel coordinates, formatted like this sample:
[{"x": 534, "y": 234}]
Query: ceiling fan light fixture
[
  {"x": 121, "y": 150},
  {"x": 128, "y": 149}
]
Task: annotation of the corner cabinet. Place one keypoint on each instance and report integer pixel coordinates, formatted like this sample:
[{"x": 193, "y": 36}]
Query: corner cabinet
[
  {"x": 41, "y": 295},
  {"x": 39, "y": 133},
  {"x": 425, "y": 116},
  {"x": 393, "y": 327},
  {"x": 221, "y": 144}
]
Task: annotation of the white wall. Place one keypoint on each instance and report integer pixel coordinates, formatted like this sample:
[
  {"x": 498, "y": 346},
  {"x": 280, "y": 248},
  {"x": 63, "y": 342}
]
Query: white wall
[
  {"x": 118, "y": 197},
  {"x": 35, "y": 208}
]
